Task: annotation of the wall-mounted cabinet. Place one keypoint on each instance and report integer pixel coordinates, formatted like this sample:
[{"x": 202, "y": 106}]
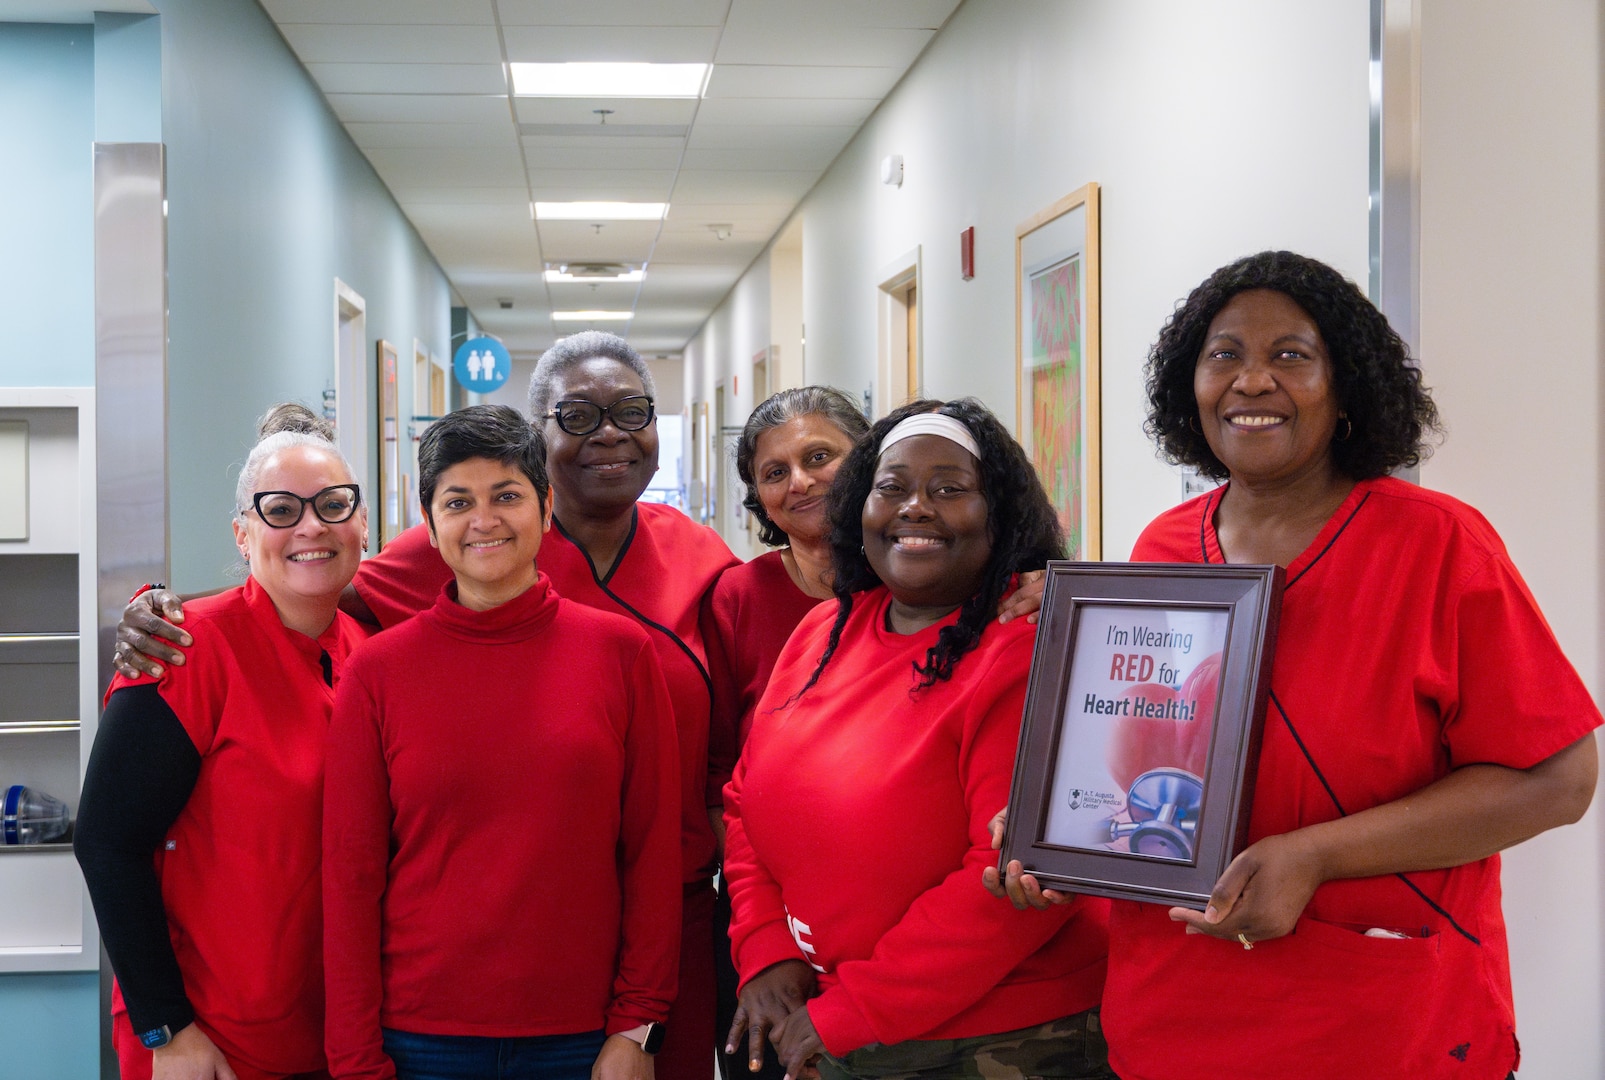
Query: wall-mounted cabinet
[{"x": 48, "y": 663}]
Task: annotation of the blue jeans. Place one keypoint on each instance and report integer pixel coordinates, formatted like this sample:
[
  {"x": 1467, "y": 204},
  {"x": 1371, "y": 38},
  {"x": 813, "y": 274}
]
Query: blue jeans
[{"x": 474, "y": 1057}]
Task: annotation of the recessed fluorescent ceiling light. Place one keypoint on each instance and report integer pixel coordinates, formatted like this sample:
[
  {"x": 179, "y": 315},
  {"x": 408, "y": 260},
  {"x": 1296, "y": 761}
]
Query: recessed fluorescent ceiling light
[
  {"x": 592, "y": 316},
  {"x": 627, "y": 277},
  {"x": 600, "y": 211},
  {"x": 593, "y": 80}
]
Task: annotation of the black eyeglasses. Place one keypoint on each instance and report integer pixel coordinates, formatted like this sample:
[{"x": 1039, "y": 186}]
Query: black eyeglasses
[
  {"x": 283, "y": 509},
  {"x": 580, "y": 417}
]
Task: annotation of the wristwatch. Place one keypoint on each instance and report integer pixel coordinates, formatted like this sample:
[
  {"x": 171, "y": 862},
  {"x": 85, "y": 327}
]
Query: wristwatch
[
  {"x": 650, "y": 1036},
  {"x": 156, "y": 1037}
]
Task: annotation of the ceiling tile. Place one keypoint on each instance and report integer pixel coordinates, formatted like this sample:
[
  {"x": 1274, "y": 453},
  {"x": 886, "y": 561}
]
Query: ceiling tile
[
  {"x": 581, "y": 112},
  {"x": 765, "y": 158},
  {"x": 437, "y": 136},
  {"x": 424, "y": 194},
  {"x": 323, "y": 43},
  {"x": 613, "y": 12},
  {"x": 534, "y": 143},
  {"x": 795, "y": 81},
  {"x": 642, "y": 44},
  {"x": 799, "y": 39},
  {"x": 420, "y": 108},
  {"x": 787, "y": 15},
  {"x": 619, "y": 241},
  {"x": 589, "y": 157},
  {"x": 607, "y": 185},
  {"x": 481, "y": 166},
  {"x": 826, "y": 141},
  {"x": 699, "y": 186},
  {"x": 380, "y": 78},
  {"x": 394, "y": 12},
  {"x": 827, "y": 112}
]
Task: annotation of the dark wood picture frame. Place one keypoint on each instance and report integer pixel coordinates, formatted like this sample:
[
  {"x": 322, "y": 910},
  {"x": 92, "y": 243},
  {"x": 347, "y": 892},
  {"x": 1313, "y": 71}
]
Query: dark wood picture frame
[{"x": 1168, "y": 803}]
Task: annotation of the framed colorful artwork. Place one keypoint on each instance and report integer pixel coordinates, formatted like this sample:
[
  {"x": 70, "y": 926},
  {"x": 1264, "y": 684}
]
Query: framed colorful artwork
[{"x": 1056, "y": 378}]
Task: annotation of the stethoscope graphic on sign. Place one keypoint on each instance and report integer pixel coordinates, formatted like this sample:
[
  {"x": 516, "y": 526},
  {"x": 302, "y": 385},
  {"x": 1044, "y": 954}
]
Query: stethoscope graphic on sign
[{"x": 1163, "y": 805}]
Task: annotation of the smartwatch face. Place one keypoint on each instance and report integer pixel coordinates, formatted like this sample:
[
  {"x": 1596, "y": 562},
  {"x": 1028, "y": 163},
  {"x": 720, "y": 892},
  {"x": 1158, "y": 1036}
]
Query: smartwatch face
[
  {"x": 654, "y": 1038},
  {"x": 156, "y": 1037}
]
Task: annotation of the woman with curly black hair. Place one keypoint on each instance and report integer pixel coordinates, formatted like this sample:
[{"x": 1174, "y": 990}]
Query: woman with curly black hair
[
  {"x": 885, "y": 739},
  {"x": 1422, "y": 715}
]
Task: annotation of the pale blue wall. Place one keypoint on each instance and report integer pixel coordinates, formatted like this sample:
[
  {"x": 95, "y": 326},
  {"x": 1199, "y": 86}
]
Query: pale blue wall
[
  {"x": 52, "y": 1026},
  {"x": 268, "y": 202},
  {"x": 47, "y": 124},
  {"x": 51, "y": 1022}
]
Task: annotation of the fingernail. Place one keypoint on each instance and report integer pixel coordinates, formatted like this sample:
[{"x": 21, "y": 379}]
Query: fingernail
[
  {"x": 156, "y": 671},
  {"x": 1211, "y": 914}
]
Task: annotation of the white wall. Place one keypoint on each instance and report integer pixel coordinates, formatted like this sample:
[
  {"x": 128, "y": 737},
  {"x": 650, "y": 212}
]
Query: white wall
[
  {"x": 1511, "y": 345},
  {"x": 1215, "y": 129}
]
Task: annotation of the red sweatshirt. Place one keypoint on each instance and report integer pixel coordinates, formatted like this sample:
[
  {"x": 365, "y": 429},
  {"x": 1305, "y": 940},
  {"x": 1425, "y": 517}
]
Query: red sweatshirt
[
  {"x": 661, "y": 579},
  {"x": 857, "y": 832},
  {"x": 1408, "y": 646},
  {"x": 499, "y": 830},
  {"x": 752, "y": 612}
]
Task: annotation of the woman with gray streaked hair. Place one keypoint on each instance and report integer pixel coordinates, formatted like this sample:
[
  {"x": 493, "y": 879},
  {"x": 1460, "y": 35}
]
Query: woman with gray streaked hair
[{"x": 199, "y": 829}]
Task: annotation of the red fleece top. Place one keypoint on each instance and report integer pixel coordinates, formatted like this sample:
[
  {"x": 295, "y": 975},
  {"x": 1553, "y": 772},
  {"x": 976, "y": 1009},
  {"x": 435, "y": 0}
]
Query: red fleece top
[
  {"x": 500, "y": 830},
  {"x": 753, "y": 610},
  {"x": 857, "y": 832},
  {"x": 661, "y": 580},
  {"x": 240, "y": 869},
  {"x": 1408, "y": 646}
]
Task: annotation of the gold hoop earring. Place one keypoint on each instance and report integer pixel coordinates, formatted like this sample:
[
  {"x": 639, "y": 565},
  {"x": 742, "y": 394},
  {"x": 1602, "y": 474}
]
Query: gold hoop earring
[
  {"x": 1192, "y": 425},
  {"x": 1348, "y": 430}
]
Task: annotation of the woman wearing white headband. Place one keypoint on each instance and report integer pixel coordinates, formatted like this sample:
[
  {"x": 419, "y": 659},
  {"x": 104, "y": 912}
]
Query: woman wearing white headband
[{"x": 884, "y": 739}]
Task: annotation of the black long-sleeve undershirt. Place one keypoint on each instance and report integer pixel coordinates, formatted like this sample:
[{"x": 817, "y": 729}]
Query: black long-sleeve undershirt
[{"x": 141, "y": 773}]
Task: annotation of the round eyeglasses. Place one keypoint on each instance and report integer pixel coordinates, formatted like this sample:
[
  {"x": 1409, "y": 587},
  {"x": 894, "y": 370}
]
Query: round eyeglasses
[
  {"x": 581, "y": 417},
  {"x": 283, "y": 509}
]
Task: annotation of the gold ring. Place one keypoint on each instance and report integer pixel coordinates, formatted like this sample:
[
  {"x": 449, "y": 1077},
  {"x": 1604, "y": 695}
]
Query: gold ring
[{"x": 1247, "y": 944}]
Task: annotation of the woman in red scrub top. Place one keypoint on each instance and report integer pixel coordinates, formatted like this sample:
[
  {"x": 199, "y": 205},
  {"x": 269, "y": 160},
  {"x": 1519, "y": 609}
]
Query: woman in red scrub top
[{"x": 1422, "y": 716}]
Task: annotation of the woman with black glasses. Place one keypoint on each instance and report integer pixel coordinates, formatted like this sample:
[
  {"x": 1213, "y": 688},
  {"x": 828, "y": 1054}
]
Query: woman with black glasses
[{"x": 199, "y": 827}]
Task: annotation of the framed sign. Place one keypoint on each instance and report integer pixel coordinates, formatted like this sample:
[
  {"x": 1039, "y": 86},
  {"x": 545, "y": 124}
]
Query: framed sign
[
  {"x": 1056, "y": 334},
  {"x": 1142, "y": 724}
]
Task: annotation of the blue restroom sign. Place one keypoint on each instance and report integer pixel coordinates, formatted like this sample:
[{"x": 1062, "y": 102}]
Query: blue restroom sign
[{"x": 481, "y": 364}]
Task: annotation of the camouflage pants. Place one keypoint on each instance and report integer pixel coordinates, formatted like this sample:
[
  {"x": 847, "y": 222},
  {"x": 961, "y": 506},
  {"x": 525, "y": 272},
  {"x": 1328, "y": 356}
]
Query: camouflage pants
[{"x": 1071, "y": 1048}]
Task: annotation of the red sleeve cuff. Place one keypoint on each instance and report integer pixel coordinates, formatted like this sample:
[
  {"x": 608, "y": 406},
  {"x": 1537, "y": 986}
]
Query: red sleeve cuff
[
  {"x": 841, "y": 1028},
  {"x": 765, "y": 947}
]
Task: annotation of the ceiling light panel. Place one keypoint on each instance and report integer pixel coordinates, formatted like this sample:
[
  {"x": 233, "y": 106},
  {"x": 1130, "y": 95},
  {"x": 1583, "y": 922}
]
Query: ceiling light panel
[
  {"x": 592, "y": 316},
  {"x": 609, "y": 80},
  {"x": 588, "y": 273}
]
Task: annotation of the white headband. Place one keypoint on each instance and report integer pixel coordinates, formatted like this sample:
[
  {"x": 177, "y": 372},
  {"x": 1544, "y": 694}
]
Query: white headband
[{"x": 931, "y": 423}]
